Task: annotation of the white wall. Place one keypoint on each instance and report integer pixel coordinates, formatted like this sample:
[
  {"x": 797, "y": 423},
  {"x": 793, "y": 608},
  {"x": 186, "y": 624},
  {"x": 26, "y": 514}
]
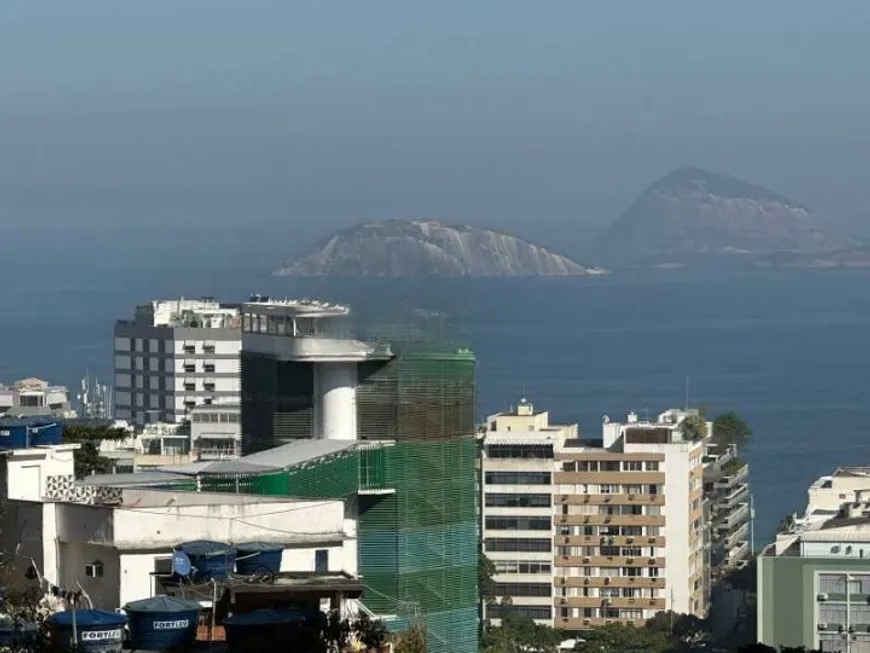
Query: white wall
[{"x": 27, "y": 470}]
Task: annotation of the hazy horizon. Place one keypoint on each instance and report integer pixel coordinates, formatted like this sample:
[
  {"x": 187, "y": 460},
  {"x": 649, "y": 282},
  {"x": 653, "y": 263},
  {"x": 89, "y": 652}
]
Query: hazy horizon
[{"x": 166, "y": 129}]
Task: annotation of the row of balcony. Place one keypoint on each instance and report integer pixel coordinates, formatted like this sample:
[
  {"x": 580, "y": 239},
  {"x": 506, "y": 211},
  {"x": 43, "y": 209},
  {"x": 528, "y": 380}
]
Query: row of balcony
[
  {"x": 616, "y": 520},
  {"x": 581, "y": 624},
  {"x": 606, "y": 602},
  {"x": 608, "y": 561},
  {"x": 609, "y": 540},
  {"x": 608, "y": 581},
  {"x": 609, "y": 478},
  {"x": 615, "y": 499}
]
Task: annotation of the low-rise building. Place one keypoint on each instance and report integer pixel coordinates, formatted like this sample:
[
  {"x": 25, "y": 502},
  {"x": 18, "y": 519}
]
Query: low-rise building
[
  {"x": 585, "y": 533},
  {"x": 32, "y": 397},
  {"x": 814, "y": 578}
]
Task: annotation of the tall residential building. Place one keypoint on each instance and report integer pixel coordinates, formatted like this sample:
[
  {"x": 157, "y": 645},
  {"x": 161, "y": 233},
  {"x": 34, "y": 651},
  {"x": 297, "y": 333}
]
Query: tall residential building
[
  {"x": 585, "y": 533},
  {"x": 33, "y": 397},
  {"x": 305, "y": 374},
  {"x": 175, "y": 355},
  {"x": 814, "y": 579},
  {"x": 726, "y": 487}
]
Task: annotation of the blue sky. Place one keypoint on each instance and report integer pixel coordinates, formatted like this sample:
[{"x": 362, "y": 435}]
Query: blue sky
[{"x": 542, "y": 118}]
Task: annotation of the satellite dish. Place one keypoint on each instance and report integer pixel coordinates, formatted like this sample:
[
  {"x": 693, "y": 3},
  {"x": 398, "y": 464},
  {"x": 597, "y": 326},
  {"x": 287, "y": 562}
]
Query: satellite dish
[{"x": 180, "y": 563}]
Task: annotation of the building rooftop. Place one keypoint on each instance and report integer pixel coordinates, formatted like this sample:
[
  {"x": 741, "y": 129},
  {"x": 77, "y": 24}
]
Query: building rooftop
[
  {"x": 298, "y": 452},
  {"x": 132, "y": 479},
  {"x": 300, "y": 307}
]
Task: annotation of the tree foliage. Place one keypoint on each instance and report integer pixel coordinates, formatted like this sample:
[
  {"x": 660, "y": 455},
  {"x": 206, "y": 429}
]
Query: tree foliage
[
  {"x": 415, "y": 639},
  {"x": 761, "y": 648},
  {"x": 617, "y": 638},
  {"x": 520, "y": 635},
  {"x": 729, "y": 428},
  {"x": 485, "y": 583},
  {"x": 681, "y": 628},
  {"x": 87, "y": 458},
  {"x": 693, "y": 427}
]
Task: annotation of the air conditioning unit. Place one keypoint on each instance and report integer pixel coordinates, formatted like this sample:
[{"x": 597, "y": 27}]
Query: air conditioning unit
[
  {"x": 585, "y": 559},
  {"x": 567, "y": 540},
  {"x": 610, "y": 540},
  {"x": 605, "y": 602},
  {"x": 586, "y": 498},
  {"x": 631, "y": 497},
  {"x": 586, "y": 582},
  {"x": 607, "y": 499},
  {"x": 630, "y": 540},
  {"x": 607, "y": 581},
  {"x": 586, "y": 622},
  {"x": 563, "y": 601},
  {"x": 630, "y": 622},
  {"x": 822, "y": 597},
  {"x": 586, "y": 520},
  {"x": 630, "y": 601},
  {"x": 652, "y": 561},
  {"x": 652, "y": 540},
  {"x": 630, "y": 560},
  {"x": 822, "y": 626},
  {"x": 564, "y": 497}
]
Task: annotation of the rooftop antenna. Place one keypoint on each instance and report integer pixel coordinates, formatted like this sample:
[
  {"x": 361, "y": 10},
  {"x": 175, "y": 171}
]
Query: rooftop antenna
[{"x": 687, "y": 392}]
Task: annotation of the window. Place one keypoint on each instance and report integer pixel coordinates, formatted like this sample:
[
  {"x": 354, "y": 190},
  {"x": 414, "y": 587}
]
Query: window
[
  {"x": 517, "y": 544},
  {"x": 832, "y": 613},
  {"x": 652, "y": 466},
  {"x": 94, "y": 570},
  {"x": 208, "y": 349},
  {"x": 208, "y": 368},
  {"x": 208, "y": 402},
  {"x": 521, "y": 567},
  {"x": 632, "y": 466},
  {"x": 609, "y": 465},
  {"x": 519, "y": 451},
  {"x": 190, "y": 387},
  {"x": 190, "y": 368},
  {"x": 523, "y": 589},
  {"x": 518, "y": 523},
  {"x": 832, "y": 584},
  {"x": 587, "y": 466},
  {"x": 321, "y": 561},
  {"x": 518, "y": 500},
  {"x": 517, "y": 478},
  {"x": 208, "y": 387},
  {"x": 631, "y": 551},
  {"x": 189, "y": 349},
  {"x": 189, "y": 405},
  {"x": 497, "y": 611},
  {"x": 632, "y": 572}
]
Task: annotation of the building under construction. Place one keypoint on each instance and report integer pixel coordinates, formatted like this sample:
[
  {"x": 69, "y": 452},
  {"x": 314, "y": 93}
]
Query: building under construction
[
  {"x": 414, "y": 482},
  {"x": 304, "y": 375}
]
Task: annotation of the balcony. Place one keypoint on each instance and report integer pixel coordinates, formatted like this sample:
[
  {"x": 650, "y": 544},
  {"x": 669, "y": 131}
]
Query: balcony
[
  {"x": 738, "y": 534},
  {"x": 608, "y": 561},
  {"x": 609, "y": 540},
  {"x": 734, "y": 496},
  {"x": 585, "y": 624},
  {"x": 733, "y": 472},
  {"x": 609, "y": 581},
  {"x": 610, "y": 520},
  {"x": 610, "y": 478},
  {"x": 613, "y": 499},
  {"x": 728, "y": 521},
  {"x": 608, "y": 602}
]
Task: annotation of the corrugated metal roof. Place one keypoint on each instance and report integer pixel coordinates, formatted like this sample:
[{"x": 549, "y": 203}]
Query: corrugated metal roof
[
  {"x": 298, "y": 452},
  {"x": 216, "y": 467}
]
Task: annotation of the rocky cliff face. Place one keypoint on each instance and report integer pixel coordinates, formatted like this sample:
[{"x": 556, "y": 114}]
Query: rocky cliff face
[
  {"x": 693, "y": 211},
  {"x": 400, "y": 248}
]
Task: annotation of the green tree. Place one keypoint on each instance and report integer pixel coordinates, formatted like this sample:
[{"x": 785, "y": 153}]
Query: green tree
[
  {"x": 681, "y": 628},
  {"x": 520, "y": 635},
  {"x": 87, "y": 458},
  {"x": 617, "y": 638},
  {"x": 485, "y": 583},
  {"x": 415, "y": 639},
  {"x": 693, "y": 427},
  {"x": 729, "y": 428}
]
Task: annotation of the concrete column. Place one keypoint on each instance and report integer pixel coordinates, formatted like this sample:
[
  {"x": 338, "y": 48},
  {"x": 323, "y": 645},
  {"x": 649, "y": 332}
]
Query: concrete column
[{"x": 335, "y": 401}]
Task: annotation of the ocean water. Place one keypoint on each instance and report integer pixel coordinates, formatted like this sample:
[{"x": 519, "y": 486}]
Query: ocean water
[{"x": 787, "y": 349}]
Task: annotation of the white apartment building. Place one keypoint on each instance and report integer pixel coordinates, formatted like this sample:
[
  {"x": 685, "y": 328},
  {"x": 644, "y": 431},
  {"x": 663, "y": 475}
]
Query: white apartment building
[
  {"x": 175, "y": 355},
  {"x": 586, "y": 533},
  {"x": 31, "y": 397}
]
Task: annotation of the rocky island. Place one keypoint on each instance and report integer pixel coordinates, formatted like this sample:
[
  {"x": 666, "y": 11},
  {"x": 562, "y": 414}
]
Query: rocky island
[
  {"x": 692, "y": 211},
  {"x": 404, "y": 248}
]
